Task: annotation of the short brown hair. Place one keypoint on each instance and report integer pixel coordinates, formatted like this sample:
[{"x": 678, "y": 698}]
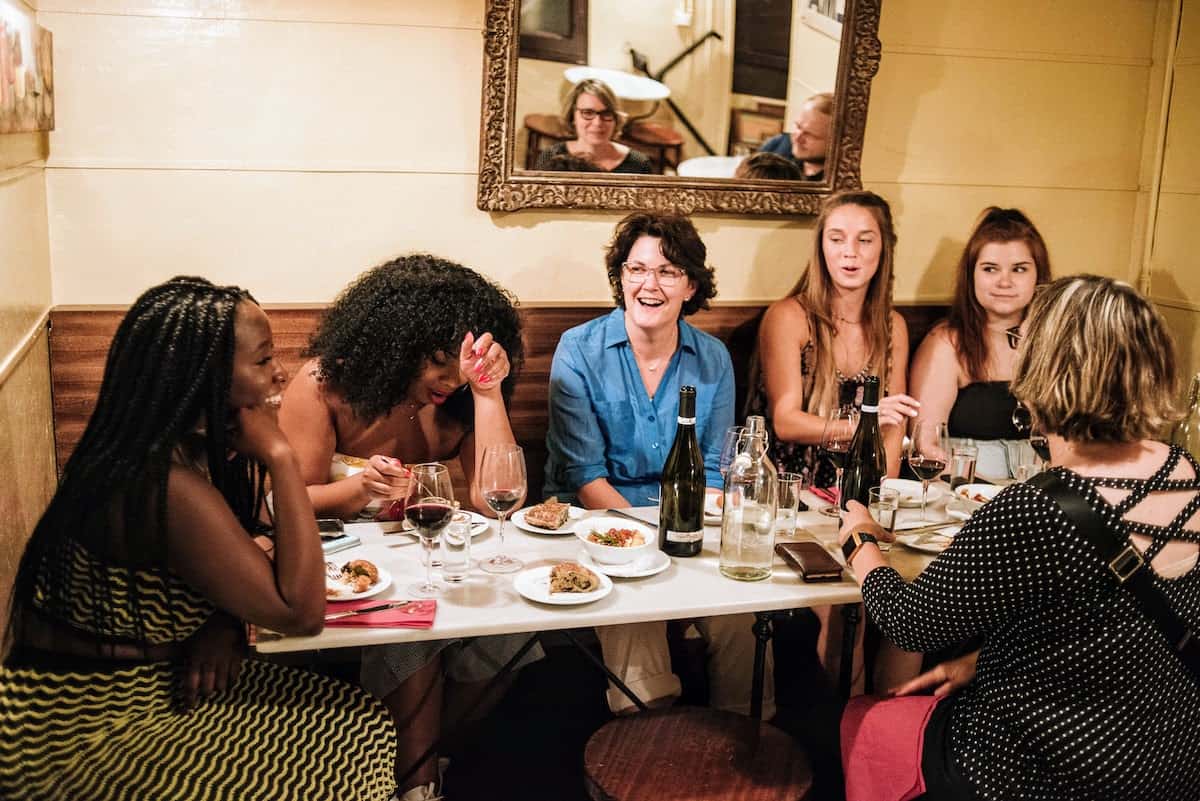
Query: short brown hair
[
  {"x": 767, "y": 166},
  {"x": 1097, "y": 363},
  {"x": 594, "y": 87},
  {"x": 681, "y": 245}
]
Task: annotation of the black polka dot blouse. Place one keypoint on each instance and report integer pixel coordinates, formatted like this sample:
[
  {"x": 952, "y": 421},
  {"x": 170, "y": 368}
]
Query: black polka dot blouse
[{"x": 1077, "y": 694}]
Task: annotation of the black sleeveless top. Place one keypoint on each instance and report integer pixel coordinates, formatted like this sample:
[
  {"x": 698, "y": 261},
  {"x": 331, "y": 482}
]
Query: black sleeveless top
[{"x": 983, "y": 410}]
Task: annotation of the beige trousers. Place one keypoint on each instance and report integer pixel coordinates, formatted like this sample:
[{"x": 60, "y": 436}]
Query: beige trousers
[{"x": 637, "y": 653}]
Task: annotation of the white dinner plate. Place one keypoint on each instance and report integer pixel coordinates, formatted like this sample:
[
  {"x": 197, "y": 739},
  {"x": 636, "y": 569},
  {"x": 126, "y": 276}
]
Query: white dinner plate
[
  {"x": 574, "y": 513},
  {"x": 479, "y": 524},
  {"x": 344, "y": 594},
  {"x": 712, "y": 512},
  {"x": 910, "y": 492},
  {"x": 534, "y": 584},
  {"x": 928, "y": 541},
  {"x": 651, "y": 564}
]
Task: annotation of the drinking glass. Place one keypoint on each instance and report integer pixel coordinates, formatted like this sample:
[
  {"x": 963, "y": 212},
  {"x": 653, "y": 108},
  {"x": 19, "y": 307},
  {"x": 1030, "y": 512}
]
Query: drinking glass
[
  {"x": 1023, "y": 421},
  {"x": 790, "y": 487},
  {"x": 927, "y": 451},
  {"x": 730, "y": 448},
  {"x": 835, "y": 441},
  {"x": 429, "y": 506},
  {"x": 502, "y": 481},
  {"x": 883, "y": 504},
  {"x": 456, "y": 548},
  {"x": 963, "y": 455}
]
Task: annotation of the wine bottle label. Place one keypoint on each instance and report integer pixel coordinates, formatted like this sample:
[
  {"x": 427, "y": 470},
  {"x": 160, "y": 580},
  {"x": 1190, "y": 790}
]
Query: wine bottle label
[
  {"x": 687, "y": 421},
  {"x": 870, "y": 409},
  {"x": 685, "y": 536}
]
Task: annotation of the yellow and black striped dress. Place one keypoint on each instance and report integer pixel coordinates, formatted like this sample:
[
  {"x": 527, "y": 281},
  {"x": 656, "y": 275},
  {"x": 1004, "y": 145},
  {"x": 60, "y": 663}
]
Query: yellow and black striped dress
[{"x": 97, "y": 731}]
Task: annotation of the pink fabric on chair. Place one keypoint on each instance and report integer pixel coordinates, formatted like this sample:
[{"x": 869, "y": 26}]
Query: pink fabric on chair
[{"x": 882, "y": 743}]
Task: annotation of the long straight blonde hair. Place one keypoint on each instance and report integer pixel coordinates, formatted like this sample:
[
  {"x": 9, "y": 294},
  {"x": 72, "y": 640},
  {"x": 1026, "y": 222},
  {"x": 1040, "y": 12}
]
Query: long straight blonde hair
[{"x": 814, "y": 291}]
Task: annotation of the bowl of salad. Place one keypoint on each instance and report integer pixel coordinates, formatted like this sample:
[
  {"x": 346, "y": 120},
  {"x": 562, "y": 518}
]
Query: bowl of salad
[{"x": 615, "y": 540}]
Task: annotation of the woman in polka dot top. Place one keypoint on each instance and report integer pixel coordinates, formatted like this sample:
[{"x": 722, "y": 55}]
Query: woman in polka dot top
[{"x": 1077, "y": 694}]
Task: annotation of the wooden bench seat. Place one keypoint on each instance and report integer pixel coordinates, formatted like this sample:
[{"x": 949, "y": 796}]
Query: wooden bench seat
[{"x": 80, "y": 337}]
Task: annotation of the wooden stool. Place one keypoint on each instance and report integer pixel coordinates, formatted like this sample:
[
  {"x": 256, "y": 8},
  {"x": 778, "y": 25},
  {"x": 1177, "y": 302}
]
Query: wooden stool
[
  {"x": 539, "y": 127},
  {"x": 661, "y": 143},
  {"x": 694, "y": 754}
]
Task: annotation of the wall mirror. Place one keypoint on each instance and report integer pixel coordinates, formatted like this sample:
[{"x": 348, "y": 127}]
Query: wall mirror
[{"x": 700, "y": 87}]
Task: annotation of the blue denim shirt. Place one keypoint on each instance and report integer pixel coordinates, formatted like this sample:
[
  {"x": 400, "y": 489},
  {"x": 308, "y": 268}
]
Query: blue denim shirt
[{"x": 604, "y": 425}]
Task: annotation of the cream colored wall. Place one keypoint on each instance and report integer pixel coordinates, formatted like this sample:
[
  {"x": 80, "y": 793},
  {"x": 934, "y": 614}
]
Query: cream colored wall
[
  {"x": 813, "y": 62},
  {"x": 1175, "y": 270},
  {"x": 26, "y": 441},
  {"x": 287, "y": 145}
]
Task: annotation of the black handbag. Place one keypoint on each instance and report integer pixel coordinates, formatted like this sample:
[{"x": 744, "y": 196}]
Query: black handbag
[{"x": 1126, "y": 564}]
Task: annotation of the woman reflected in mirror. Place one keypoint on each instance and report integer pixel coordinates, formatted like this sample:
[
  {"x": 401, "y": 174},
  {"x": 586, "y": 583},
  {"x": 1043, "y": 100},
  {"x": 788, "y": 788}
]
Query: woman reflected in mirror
[
  {"x": 593, "y": 118},
  {"x": 962, "y": 370}
]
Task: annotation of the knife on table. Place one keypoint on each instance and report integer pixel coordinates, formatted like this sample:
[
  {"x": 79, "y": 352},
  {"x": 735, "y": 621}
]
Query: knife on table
[
  {"x": 365, "y": 610},
  {"x": 629, "y": 516}
]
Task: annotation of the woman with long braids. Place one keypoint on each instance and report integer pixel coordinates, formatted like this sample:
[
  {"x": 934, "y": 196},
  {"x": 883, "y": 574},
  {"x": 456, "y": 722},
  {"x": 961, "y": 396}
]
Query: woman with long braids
[{"x": 125, "y": 680}]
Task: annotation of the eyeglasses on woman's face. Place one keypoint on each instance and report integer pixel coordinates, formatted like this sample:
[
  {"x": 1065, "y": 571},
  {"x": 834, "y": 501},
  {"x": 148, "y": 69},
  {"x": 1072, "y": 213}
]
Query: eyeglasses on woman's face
[
  {"x": 636, "y": 273},
  {"x": 589, "y": 114}
]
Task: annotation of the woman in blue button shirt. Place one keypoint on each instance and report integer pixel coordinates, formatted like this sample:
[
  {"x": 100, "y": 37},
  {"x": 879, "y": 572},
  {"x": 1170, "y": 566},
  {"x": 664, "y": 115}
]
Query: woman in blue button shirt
[{"x": 614, "y": 399}]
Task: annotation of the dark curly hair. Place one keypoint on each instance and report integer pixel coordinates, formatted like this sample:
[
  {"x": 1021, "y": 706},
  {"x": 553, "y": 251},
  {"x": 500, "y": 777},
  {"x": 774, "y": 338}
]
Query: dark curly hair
[
  {"x": 384, "y": 327},
  {"x": 681, "y": 245}
]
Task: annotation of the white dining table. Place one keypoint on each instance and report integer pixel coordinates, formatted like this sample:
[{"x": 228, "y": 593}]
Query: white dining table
[
  {"x": 485, "y": 604},
  {"x": 625, "y": 85}
]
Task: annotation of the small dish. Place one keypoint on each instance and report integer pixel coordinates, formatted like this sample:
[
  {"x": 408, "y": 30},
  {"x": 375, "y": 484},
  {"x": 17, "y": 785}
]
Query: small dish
[
  {"x": 910, "y": 492},
  {"x": 614, "y": 554},
  {"x": 969, "y": 495},
  {"x": 520, "y": 522},
  {"x": 928, "y": 541},
  {"x": 651, "y": 564},
  {"x": 534, "y": 584},
  {"x": 344, "y": 594}
]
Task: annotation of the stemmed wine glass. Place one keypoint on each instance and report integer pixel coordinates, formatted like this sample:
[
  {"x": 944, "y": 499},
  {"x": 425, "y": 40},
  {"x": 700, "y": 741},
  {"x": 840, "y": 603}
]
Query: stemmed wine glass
[
  {"x": 731, "y": 447},
  {"x": 1022, "y": 420},
  {"x": 502, "y": 481},
  {"x": 429, "y": 506},
  {"x": 928, "y": 449},
  {"x": 835, "y": 441}
]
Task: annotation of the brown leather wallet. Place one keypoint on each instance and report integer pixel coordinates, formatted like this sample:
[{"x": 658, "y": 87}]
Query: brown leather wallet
[{"x": 810, "y": 560}]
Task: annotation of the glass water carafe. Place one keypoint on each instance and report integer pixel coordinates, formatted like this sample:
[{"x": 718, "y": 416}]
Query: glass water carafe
[{"x": 748, "y": 522}]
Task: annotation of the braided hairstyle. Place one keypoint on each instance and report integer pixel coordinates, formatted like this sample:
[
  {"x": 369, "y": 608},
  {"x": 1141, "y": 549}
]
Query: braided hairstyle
[
  {"x": 382, "y": 329},
  {"x": 166, "y": 384}
]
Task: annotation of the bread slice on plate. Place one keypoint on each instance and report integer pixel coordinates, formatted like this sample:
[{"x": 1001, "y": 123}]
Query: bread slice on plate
[
  {"x": 548, "y": 514},
  {"x": 572, "y": 577}
]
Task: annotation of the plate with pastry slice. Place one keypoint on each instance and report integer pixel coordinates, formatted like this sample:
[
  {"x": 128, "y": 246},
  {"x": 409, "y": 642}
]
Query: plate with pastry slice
[
  {"x": 563, "y": 584},
  {"x": 547, "y": 517},
  {"x": 354, "y": 580}
]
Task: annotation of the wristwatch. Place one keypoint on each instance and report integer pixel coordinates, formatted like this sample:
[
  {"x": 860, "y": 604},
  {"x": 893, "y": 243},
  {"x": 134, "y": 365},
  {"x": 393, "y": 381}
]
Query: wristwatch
[{"x": 855, "y": 541}]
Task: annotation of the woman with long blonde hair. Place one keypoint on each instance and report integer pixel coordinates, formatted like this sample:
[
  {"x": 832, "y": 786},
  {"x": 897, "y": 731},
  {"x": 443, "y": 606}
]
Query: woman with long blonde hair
[{"x": 835, "y": 327}]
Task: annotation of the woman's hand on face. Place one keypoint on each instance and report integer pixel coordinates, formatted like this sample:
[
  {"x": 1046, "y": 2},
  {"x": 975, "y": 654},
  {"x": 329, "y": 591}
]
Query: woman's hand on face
[
  {"x": 946, "y": 678},
  {"x": 857, "y": 518},
  {"x": 258, "y": 434},
  {"x": 895, "y": 410},
  {"x": 385, "y": 478},
  {"x": 483, "y": 362}
]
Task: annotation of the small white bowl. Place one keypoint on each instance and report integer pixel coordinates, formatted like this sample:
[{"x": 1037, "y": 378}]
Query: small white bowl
[
  {"x": 611, "y": 554},
  {"x": 966, "y": 494}
]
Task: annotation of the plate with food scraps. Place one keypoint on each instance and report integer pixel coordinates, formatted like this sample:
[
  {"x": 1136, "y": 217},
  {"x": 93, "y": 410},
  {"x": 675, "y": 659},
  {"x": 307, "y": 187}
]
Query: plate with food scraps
[
  {"x": 910, "y": 492},
  {"x": 519, "y": 518},
  {"x": 650, "y": 565},
  {"x": 534, "y": 584},
  {"x": 929, "y": 541},
  {"x": 339, "y": 589},
  {"x": 479, "y": 524}
]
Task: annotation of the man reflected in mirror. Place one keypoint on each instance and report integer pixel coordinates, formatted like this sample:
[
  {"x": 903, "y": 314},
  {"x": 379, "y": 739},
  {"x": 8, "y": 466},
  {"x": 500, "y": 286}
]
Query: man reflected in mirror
[{"x": 808, "y": 142}]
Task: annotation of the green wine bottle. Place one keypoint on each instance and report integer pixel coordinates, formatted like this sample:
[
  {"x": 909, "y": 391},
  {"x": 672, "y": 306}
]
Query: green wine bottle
[
  {"x": 681, "y": 514},
  {"x": 866, "y": 461}
]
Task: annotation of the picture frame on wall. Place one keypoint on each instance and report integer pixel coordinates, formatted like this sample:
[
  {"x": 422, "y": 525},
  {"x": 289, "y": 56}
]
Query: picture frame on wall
[
  {"x": 749, "y": 128},
  {"x": 26, "y": 71}
]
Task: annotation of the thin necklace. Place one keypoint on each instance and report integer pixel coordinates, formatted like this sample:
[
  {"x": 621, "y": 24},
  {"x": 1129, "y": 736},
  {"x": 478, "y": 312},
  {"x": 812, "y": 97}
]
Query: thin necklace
[{"x": 839, "y": 318}]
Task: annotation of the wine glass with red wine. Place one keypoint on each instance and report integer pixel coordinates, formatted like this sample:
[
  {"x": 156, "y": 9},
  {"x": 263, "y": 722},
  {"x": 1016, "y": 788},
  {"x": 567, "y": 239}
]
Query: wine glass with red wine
[
  {"x": 502, "y": 482},
  {"x": 429, "y": 507},
  {"x": 835, "y": 441},
  {"x": 928, "y": 449}
]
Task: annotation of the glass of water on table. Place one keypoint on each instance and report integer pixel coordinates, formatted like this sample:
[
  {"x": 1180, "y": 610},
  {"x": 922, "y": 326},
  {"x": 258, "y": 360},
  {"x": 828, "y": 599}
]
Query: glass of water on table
[
  {"x": 884, "y": 504},
  {"x": 790, "y": 487}
]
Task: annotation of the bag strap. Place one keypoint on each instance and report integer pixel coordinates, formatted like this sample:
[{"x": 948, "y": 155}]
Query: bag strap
[{"x": 1126, "y": 564}]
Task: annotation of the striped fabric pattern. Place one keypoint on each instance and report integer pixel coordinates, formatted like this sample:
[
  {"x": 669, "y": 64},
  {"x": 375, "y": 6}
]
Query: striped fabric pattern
[{"x": 278, "y": 734}]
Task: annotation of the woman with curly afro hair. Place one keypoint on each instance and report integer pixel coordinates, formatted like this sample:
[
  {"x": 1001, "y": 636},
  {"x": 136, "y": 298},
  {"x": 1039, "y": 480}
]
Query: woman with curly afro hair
[{"x": 412, "y": 363}]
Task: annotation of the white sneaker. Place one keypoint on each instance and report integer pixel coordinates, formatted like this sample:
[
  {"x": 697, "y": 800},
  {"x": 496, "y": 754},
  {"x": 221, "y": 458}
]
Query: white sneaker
[{"x": 422, "y": 792}]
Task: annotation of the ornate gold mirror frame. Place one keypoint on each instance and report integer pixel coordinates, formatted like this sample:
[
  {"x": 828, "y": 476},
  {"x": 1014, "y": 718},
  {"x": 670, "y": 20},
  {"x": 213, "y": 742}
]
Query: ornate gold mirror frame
[{"x": 501, "y": 188}]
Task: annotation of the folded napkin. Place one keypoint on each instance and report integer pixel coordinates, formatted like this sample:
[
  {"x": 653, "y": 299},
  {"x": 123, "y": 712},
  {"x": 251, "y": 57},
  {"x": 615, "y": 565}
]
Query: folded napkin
[
  {"x": 828, "y": 495},
  {"x": 413, "y": 615}
]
